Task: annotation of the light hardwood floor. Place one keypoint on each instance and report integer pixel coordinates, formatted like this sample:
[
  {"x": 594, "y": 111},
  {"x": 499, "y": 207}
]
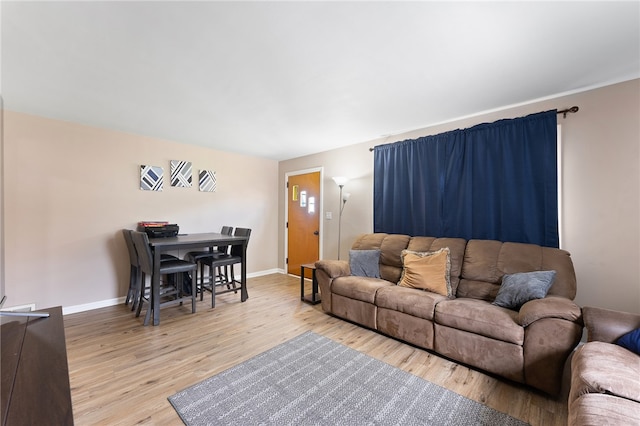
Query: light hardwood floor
[{"x": 121, "y": 372}]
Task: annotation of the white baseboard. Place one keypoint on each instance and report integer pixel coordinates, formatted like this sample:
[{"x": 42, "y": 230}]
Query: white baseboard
[
  {"x": 120, "y": 300},
  {"x": 267, "y": 272},
  {"x": 89, "y": 306}
]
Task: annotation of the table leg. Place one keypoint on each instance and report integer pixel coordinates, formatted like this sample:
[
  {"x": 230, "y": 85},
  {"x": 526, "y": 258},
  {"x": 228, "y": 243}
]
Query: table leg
[
  {"x": 314, "y": 287},
  {"x": 244, "y": 294},
  {"x": 155, "y": 287}
]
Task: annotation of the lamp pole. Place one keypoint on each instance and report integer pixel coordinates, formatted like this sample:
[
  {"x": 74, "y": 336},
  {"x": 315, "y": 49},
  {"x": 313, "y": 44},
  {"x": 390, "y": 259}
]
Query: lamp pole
[
  {"x": 340, "y": 181},
  {"x": 342, "y": 202}
]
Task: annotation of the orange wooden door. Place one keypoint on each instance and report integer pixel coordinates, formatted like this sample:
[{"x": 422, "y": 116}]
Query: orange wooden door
[{"x": 303, "y": 228}]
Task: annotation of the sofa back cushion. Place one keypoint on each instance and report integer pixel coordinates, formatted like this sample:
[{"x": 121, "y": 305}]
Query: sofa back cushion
[
  {"x": 428, "y": 271},
  {"x": 391, "y": 246},
  {"x": 477, "y": 266},
  {"x": 487, "y": 261},
  {"x": 456, "y": 251}
]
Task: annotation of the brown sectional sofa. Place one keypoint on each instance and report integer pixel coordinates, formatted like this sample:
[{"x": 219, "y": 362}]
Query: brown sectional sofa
[
  {"x": 605, "y": 377},
  {"x": 528, "y": 346}
]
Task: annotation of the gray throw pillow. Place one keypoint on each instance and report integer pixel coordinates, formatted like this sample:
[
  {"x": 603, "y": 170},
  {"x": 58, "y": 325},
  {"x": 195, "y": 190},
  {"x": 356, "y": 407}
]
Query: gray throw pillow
[
  {"x": 518, "y": 289},
  {"x": 365, "y": 263}
]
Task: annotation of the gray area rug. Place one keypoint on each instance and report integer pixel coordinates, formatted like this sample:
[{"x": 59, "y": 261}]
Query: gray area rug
[{"x": 312, "y": 380}]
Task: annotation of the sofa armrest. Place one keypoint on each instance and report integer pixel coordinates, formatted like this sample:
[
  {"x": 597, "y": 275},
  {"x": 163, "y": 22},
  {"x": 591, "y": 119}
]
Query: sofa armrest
[
  {"x": 553, "y": 327},
  {"x": 549, "y": 307},
  {"x": 326, "y": 272},
  {"x": 334, "y": 268},
  {"x": 605, "y": 325}
]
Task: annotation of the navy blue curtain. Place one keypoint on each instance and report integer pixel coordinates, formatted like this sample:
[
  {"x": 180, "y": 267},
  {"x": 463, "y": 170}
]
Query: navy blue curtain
[{"x": 492, "y": 181}]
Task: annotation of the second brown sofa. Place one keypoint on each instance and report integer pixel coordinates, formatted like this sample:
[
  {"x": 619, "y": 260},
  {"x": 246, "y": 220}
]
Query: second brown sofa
[{"x": 605, "y": 377}]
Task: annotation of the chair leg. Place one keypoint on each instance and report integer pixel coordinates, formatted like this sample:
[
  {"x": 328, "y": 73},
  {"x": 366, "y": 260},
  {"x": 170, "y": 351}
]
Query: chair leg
[
  {"x": 195, "y": 278},
  {"x": 224, "y": 276},
  {"x": 179, "y": 286},
  {"x": 197, "y": 273},
  {"x": 131, "y": 285},
  {"x": 233, "y": 280},
  {"x": 193, "y": 293},
  {"x": 200, "y": 278},
  {"x": 141, "y": 299},
  {"x": 136, "y": 291},
  {"x": 147, "y": 316},
  {"x": 143, "y": 283},
  {"x": 221, "y": 276},
  {"x": 201, "y": 285}
]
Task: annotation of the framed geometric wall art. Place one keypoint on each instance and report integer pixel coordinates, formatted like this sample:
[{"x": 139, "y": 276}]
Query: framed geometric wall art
[
  {"x": 181, "y": 173},
  {"x": 207, "y": 179},
  {"x": 151, "y": 178}
]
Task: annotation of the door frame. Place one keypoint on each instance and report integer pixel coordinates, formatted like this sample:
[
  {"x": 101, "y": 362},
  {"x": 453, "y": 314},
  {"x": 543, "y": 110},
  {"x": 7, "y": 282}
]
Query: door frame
[{"x": 286, "y": 210}]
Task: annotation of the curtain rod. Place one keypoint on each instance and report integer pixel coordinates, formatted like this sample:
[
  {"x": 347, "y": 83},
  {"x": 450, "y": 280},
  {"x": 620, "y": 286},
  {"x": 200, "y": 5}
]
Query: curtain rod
[
  {"x": 572, "y": 110},
  {"x": 564, "y": 113}
]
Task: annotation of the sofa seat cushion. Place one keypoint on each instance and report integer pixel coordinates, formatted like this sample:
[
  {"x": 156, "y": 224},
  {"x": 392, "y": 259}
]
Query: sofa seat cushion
[
  {"x": 599, "y": 367},
  {"x": 597, "y": 409},
  {"x": 480, "y": 317},
  {"x": 359, "y": 288},
  {"x": 410, "y": 301}
]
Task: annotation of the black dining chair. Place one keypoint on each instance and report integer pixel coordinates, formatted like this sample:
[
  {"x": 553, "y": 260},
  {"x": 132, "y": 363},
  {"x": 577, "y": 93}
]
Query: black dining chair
[
  {"x": 216, "y": 285},
  {"x": 170, "y": 293},
  {"x": 135, "y": 274},
  {"x": 198, "y": 256},
  {"x": 134, "y": 271}
]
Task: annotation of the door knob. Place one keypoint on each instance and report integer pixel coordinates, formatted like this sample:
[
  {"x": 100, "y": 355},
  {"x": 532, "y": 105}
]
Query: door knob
[{"x": 316, "y": 233}]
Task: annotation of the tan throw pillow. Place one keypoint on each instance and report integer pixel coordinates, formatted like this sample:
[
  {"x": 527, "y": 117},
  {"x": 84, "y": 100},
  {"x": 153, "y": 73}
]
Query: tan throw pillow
[{"x": 427, "y": 271}]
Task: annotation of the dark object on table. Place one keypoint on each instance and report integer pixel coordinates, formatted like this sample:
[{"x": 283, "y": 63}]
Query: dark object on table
[{"x": 159, "y": 229}]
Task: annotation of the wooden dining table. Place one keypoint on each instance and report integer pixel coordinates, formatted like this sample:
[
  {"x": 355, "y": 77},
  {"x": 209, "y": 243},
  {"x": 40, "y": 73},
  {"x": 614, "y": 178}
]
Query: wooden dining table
[{"x": 188, "y": 242}]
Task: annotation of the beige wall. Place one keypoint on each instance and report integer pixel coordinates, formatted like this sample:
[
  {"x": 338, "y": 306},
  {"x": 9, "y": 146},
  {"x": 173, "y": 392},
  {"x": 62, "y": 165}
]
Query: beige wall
[
  {"x": 69, "y": 190},
  {"x": 601, "y": 191}
]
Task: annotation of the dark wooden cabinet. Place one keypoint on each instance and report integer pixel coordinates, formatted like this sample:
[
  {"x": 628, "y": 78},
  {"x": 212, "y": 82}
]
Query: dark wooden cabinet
[{"x": 35, "y": 375}]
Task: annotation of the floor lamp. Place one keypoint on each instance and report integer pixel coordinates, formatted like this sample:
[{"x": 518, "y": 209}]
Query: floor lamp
[{"x": 341, "y": 182}]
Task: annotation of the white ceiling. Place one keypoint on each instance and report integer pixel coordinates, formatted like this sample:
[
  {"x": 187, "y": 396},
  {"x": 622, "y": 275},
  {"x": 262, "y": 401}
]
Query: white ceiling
[{"x": 286, "y": 79}]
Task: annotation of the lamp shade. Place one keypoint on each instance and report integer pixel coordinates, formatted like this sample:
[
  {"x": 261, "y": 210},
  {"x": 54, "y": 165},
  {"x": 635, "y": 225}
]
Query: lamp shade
[{"x": 340, "y": 180}]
